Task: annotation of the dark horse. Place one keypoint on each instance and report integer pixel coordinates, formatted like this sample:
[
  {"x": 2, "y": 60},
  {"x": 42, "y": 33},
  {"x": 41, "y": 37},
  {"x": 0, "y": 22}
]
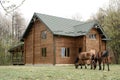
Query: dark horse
[{"x": 101, "y": 58}]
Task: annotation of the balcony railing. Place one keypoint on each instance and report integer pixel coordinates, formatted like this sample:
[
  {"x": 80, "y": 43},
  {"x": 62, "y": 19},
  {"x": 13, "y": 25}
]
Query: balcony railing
[{"x": 18, "y": 61}]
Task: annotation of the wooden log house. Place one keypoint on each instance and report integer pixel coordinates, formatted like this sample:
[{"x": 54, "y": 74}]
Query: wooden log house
[{"x": 55, "y": 40}]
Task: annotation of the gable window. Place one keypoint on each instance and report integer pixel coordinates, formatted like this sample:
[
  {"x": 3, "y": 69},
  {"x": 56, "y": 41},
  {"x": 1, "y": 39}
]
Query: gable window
[
  {"x": 92, "y": 36},
  {"x": 44, "y": 52},
  {"x": 44, "y": 34},
  {"x": 65, "y": 52}
]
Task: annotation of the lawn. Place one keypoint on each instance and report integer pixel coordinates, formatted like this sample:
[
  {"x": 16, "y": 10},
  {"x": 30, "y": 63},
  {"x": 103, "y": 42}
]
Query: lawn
[{"x": 57, "y": 73}]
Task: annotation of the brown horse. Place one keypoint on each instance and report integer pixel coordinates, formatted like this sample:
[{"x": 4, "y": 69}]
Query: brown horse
[
  {"x": 83, "y": 59},
  {"x": 101, "y": 58}
]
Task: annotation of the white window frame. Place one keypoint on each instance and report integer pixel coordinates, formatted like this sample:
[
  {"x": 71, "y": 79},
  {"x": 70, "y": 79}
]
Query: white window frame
[{"x": 65, "y": 52}]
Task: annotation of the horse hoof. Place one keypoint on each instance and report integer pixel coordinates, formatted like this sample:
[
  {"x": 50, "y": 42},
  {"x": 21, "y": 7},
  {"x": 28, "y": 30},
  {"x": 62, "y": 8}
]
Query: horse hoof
[{"x": 76, "y": 67}]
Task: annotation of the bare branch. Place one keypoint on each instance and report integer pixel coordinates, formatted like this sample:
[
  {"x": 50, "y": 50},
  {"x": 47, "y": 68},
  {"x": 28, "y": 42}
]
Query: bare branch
[{"x": 12, "y": 7}]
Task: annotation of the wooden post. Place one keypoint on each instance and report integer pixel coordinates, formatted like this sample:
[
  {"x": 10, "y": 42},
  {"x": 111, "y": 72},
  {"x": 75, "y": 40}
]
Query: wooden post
[
  {"x": 33, "y": 43},
  {"x": 54, "y": 51},
  {"x": 24, "y": 47}
]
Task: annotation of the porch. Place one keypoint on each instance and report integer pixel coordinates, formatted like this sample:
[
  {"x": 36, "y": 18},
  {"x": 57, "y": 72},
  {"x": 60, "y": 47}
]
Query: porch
[{"x": 17, "y": 54}]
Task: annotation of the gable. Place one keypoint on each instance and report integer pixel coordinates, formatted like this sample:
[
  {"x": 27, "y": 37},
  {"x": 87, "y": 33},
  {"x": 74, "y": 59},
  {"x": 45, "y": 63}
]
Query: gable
[
  {"x": 101, "y": 31},
  {"x": 65, "y": 27}
]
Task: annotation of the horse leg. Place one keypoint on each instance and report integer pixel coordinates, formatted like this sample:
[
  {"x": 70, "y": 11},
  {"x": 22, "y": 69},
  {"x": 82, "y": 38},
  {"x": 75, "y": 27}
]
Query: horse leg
[
  {"x": 82, "y": 63},
  {"x": 81, "y": 66},
  {"x": 95, "y": 66},
  {"x": 85, "y": 62},
  {"x": 76, "y": 63},
  {"x": 108, "y": 65},
  {"x": 99, "y": 61},
  {"x": 76, "y": 66},
  {"x": 91, "y": 64},
  {"x": 103, "y": 65},
  {"x": 85, "y": 66},
  {"x": 99, "y": 66}
]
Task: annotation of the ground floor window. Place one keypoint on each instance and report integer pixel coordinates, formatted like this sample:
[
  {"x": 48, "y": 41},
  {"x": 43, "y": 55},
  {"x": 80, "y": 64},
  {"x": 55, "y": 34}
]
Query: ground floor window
[
  {"x": 65, "y": 52},
  {"x": 80, "y": 50},
  {"x": 44, "y": 52}
]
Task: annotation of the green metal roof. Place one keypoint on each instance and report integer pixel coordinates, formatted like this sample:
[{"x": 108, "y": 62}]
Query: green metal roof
[
  {"x": 84, "y": 28},
  {"x": 16, "y": 46},
  {"x": 59, "y": 26},
  {"x": 63, "y": 26}
]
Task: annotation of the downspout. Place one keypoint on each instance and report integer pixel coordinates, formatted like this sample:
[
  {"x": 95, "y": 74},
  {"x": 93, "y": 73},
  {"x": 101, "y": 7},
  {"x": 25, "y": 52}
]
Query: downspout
[
  {"x": 100, "y": 43},
  {"x": 54, "y": 51},
  {"x": 24, "y": 51},
  {"x": 105, "y": 45},
  {"x": 85, "y": 42}
]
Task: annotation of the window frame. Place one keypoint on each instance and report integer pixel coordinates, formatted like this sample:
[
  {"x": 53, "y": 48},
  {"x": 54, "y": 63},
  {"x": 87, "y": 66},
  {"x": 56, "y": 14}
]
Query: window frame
[
  {"x": 44, "y": 52},
  {"x": 92, "y": 36},
  {"x": 79, "y": 49},
  {"x": 65, "y": 52},
  {"x": 44, "y": 34}
]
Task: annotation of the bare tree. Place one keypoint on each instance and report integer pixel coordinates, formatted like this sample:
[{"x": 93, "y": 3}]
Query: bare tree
[
  {"x": 5, "y": 39},
  {"x": 11, "y": 5},
  {"x": 19, "y": 25},
  {"x": 77, "y": 17},
  {"x": 10, "y": 29}
]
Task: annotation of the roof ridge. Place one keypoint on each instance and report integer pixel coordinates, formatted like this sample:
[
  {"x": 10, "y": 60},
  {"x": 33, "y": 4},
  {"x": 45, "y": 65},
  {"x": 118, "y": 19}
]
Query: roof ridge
[{"x": 84, "y": 23}]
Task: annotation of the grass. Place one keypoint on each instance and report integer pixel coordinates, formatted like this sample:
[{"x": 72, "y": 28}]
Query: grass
[{"x": 57, "y": 73}]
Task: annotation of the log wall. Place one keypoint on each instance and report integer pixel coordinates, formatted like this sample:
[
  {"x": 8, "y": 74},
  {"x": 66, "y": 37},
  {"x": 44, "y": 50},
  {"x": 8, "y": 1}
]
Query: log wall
[{"x": 34, "y": 44}]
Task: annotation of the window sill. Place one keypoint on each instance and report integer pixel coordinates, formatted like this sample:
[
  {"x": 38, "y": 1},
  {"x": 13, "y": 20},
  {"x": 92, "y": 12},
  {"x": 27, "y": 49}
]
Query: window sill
[
  {"x": 92, "y": 39},
  {"x": 65, "y": 57}
]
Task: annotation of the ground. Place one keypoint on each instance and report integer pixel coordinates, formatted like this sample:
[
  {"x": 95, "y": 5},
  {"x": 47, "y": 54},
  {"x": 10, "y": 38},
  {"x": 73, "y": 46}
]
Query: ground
[{"x": 57, "y": 73}]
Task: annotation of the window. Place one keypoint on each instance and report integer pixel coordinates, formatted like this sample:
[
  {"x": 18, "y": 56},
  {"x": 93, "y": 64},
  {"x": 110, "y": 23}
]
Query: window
[
  {"x": 44, "y": 51},
  {"x": 44, "y": 34},
  {"x": 65, "y": 52},
  {"x": 80, "y": 50},
  {"x": 92, "y": 36}
]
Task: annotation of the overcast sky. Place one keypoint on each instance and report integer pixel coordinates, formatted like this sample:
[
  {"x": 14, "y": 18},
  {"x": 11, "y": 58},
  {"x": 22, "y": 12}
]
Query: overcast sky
[{"x": 62, "y": 8}]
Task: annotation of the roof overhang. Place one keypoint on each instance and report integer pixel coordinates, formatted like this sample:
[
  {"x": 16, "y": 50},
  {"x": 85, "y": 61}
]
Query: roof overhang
[{"x": 17, "y": 47}]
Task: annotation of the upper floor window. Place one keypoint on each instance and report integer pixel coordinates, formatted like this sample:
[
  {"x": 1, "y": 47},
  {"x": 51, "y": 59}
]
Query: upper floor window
[
  {"x": 92, "y": 36},
  {"x": 44, "y": 34},
  {"x": 65, "y": 52}
]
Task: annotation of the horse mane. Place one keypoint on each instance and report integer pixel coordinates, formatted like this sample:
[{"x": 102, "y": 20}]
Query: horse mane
[{"x": 105, "y": 53}]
